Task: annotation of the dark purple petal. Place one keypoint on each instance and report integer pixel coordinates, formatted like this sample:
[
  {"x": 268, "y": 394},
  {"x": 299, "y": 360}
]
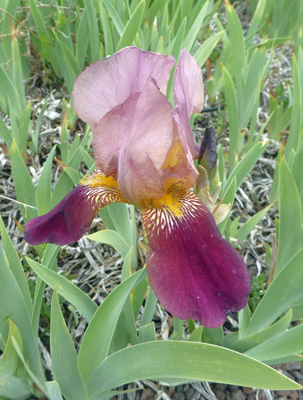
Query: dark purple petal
[
  {"x": 72, "y": 217},
  {"x": 208, "y": 151},
  {"x": 194, "y": 272}
]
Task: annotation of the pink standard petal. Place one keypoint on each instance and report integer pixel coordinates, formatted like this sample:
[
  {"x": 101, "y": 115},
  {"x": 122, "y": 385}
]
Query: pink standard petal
[
  {"x": 145, "y": 147},
  {"x": 188, "y": 84},
  {"x": 109, "y": 82},
  {"x": 72, "y": 217},
  {"x": 110, "y": 133},
  {"x": 189, "y": 97},
  {"x": 194, "y": 272}
]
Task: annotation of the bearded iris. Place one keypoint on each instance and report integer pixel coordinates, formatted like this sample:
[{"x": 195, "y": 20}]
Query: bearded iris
[{"x": 144, "y": 153}]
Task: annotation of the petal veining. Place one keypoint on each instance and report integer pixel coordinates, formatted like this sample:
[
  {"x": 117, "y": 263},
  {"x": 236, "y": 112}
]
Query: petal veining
[
  {"x": 194, "y": 272},
  {"x": 72, "y": 217},
  {"x": 109, "y": 82}
]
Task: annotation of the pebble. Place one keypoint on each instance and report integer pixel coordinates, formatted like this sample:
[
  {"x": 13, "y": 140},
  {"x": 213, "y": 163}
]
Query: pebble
[{"x": 238, "y": 395}]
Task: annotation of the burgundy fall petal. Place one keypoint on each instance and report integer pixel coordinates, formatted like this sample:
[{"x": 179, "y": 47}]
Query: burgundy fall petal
[
  {"x": 194, "y": 272},
  {"x": 72, "y": 217}
]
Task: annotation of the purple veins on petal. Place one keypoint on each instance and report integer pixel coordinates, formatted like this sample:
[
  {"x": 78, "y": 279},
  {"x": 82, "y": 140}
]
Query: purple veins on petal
[
  {"x": 194, "y": 272},
  {"x": 71, "y": 218}
]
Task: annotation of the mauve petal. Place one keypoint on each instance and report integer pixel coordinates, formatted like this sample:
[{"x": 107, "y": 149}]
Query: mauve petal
[
  {"x": 188, "y": 84},
  {"x": 145, "y": 147},
  {"x": 189, "y": 97},
  {"x": 194, "y": 272},
  {"x": 109, "y": 134},
  {"x": 72, "y": 217},
  {"x": 109, "y": 82}
]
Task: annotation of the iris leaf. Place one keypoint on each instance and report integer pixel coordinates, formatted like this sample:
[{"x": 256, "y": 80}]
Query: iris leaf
[{"x": 184, "y": 360}]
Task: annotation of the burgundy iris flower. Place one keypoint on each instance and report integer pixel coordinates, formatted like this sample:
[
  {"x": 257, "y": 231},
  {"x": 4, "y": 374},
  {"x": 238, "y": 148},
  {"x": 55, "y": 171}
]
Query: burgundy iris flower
[{"x": 144, "y": 153}]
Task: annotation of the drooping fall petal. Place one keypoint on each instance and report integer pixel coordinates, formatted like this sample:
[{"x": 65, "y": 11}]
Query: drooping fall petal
[
  {"x": 109, "y": 82},
  {"x": 72, "y": 217},
  {"x": 194, "y": 272}
]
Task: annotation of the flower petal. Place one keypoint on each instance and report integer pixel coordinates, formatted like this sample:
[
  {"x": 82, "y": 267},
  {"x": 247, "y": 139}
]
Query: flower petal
[
  {"x": 110, "y": 133},
  {"x": 188, "y": 84},
  {"x": 145, "y": 147},
  {"x": 72, "y": 217},
  {"x": 107, "y": 83},
  {"x": 189, "y": 97},
  {"x": 194, "y": 272}
]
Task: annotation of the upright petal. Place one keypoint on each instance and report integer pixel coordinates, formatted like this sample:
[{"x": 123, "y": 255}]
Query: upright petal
[
  {"x": 145, "y": 147},
  {"x": 109, "y": 82},
  {"x": 188, "y": 84},
  {"x": 194, "y": 272},
  {"x": 110, "y": 133},
  {"x": 189, "y": 97},
  {"x": 72, "y": 217}
]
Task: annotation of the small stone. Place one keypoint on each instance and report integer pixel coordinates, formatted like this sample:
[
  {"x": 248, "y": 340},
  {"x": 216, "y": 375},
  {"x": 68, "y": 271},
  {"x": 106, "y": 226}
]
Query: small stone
[
  {"x": 251, "y": 397},
  {"x": 298, "y": 375},
  {"x": 147, "y": 394},
  {"x": 189, "y": 393},
  {"x": 233, "y": 388},
  {"x": 296, "y": 365},
  {"x": 179, "y": 396},
  {"x": 249, "y": 390},
  {"x": 238, "y": 395},
  {"x": 220, "y": 395},
  {"x": 221, "y": 386}
]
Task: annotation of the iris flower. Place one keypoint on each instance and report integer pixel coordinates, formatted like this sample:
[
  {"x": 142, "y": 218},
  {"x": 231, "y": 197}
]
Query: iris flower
[{"x": 144, "y": 154}]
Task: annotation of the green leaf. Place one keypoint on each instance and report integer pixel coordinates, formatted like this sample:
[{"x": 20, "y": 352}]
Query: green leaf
[
  {"x": 245, "y": 165},
  {"x": 195, "y": 26},
  {"x": 196, "y": 335},
  {"x": 114, "y": 16},
  {"x": 184, "y": 360},
  {"x": 282, "y": 345},
  {"x": 204, "y": 51},
  {"x": 249, "y": 225},
  {"x": 17, "y": 73},
  {"x": 14, "y": 307},
  {"x": 43, "y": 192},
  {"x": 101, "y": 327},
  {"x": 255, "y": 339},
  {"x": 132, "y": 27},
  {"x": 63, "y": 354},
  {"x": 66, "y": 288},
  {"x": 14, "y": 382},
  {"x": 9, "y": 92},
  {"x": 23, "y": 184},
  {"x": 236, "y": 39},
  {"x": 296, "y": 116},
  {"x": 16, "y": 266},
  {"x": 232, "y": 107},
  {"x": 92, "y": 24},
  {"x": 147, "y": 333},
  {"x": 112, "y": 238},
  {"x": 5, "y": 133},
  {"x": 150, "y": 307},
  {"x": 290, "y": 217},
  {"x": 280, "y": 296},
  {"x": 24, "y": 124}
]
